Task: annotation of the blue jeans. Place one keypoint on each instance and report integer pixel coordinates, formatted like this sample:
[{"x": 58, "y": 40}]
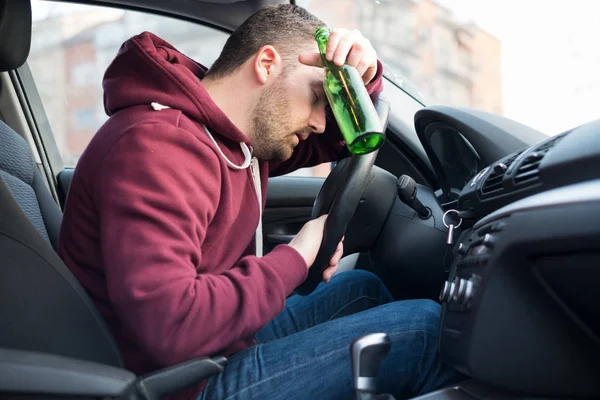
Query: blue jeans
[{"x": 304, "y": 353}]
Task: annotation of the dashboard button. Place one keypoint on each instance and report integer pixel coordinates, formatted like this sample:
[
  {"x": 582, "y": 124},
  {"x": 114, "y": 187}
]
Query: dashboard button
[
  {"x": 500, "y": 168},
  {"x": 491, "y": 228},
  {"x": 489, "y": 240},
  {"x": 462, "y": 295},
  {"x": 468, "y": 293},
  {"x": 459, "y": 293}
]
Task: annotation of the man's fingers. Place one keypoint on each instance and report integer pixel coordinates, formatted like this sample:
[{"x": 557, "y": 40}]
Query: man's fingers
[
  {"x": 369, "y": 60},
  {"x": 332, "y": 43},
  {"x": 357, "y": 53},
  {"x": 337, "y": 256},
  {"x": 328, "y": 273},
  {"x": 370, "y": 74},
  {"x": 310, "y": 59},
  {"x": 333, "y": 262},
  {"x": 343, "y": 48},
  {"x": 347, "y": 47}
]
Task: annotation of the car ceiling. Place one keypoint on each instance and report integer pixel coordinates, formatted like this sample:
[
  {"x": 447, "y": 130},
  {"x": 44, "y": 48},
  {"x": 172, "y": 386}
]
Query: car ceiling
[{"x": 224, "y": 14}]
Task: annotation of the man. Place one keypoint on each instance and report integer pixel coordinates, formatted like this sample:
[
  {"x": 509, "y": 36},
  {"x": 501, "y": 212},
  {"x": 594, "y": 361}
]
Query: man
[{"x": 162, "y": 211}]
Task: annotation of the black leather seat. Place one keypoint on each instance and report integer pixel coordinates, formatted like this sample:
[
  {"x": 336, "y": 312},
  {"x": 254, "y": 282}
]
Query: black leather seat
[{"x": 53, "y": 341}]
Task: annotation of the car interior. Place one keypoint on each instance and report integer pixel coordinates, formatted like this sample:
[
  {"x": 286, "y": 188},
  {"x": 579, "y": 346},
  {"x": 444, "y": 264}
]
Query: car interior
[{"x": 494, "y": 220}]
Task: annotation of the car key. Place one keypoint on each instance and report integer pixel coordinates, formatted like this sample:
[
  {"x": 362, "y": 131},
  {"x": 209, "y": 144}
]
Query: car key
[{"x": 450, "y": 238}]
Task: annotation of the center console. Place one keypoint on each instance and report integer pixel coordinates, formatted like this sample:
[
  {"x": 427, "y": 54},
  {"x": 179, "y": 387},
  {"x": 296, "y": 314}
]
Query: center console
[{"x": 520, "y": 305}]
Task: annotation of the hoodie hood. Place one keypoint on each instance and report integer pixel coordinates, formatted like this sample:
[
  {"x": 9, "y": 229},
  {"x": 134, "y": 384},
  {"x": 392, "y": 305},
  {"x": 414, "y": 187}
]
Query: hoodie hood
[{"x": 149, "y": 70}]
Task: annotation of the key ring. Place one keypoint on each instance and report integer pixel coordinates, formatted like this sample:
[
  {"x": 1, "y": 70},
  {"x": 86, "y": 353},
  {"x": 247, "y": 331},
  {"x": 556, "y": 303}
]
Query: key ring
[{"x": 444, "y": 218}]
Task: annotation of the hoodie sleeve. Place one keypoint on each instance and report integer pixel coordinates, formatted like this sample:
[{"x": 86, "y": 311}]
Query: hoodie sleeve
[
  {"x": 155, "y": 202},
  {"x": 327, "y": 147}
]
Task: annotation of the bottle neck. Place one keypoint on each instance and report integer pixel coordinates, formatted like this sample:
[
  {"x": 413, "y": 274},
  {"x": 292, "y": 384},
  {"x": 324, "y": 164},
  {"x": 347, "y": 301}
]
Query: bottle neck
[
  {"x": 326, "y": 63},
  {"x": 322, "y": 40}
]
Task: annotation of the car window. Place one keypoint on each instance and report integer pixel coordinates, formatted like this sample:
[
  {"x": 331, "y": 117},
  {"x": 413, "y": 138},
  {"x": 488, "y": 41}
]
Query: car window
[
  {"x": 72, "y": 45},
  {"x": 488, "y": 55}
]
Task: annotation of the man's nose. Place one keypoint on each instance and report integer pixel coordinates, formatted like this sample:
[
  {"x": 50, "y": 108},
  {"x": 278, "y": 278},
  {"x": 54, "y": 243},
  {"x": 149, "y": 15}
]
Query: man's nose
[{"x": 317, "y": 121}]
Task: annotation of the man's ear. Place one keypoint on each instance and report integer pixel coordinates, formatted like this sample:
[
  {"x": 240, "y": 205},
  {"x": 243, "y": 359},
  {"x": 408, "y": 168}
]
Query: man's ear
[{"x": 267, "y": 63}]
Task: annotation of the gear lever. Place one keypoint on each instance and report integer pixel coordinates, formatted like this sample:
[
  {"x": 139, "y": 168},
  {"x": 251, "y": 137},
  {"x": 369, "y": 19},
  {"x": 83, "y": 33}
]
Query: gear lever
[
  {"x": 407, "y": 191},
  {"x": 367, "y": 354}
]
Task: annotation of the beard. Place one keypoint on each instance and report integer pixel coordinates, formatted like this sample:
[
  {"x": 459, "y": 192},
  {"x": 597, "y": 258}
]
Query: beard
[{"x": 273, "y": 135}]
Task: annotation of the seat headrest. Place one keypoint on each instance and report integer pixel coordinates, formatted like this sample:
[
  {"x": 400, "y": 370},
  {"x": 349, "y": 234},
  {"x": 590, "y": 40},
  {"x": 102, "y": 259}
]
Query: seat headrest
[{"x": 15, "y": 33}]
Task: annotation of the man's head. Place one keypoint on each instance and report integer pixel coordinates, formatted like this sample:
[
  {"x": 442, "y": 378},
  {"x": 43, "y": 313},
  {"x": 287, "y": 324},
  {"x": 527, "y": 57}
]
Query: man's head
[{"x": 282, "y": 99}]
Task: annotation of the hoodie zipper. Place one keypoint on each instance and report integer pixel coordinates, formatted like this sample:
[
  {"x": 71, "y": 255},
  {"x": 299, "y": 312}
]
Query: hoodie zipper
[{"x": 254, "y": 168}]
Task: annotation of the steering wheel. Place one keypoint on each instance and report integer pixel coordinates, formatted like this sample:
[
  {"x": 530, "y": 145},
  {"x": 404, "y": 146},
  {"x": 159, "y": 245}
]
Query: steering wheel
[{"x": 339, "y": 196}]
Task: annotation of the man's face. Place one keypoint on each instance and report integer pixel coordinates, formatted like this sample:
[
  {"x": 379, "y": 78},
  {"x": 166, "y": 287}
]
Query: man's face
[{"x": 288, "y": 111}]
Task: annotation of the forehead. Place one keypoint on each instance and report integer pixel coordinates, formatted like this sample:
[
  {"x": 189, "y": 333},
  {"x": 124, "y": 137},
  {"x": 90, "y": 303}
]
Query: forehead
[
  {"x": 308, "y": 74},
  {"x": 305, "y": 70}
]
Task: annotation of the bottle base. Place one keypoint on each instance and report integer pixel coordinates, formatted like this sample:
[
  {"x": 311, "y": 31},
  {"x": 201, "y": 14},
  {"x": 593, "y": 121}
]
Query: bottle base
[{"x": 367, "y": 143}]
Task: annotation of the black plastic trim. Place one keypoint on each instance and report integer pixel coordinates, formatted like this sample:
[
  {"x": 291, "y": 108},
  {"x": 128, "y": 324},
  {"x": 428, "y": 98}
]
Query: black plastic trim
[
  {"x": 31, "y": 372},
  {"x": 180, "y": 376},
  {"x": 64, "y": 179},
  {"x": 219, "y": 14},
  {"x": 584, "y": 192}
]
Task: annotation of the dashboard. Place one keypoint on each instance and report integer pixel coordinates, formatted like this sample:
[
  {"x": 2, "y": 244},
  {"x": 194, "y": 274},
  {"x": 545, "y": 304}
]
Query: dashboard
[
  {"x": 521, "y": 307},
  {"x": 571, "y": 157}
]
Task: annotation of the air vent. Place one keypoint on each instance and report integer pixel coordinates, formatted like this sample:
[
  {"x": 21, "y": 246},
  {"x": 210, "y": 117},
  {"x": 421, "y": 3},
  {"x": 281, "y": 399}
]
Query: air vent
[
  {"x": 493, "y": 183},
  {"x": 528, "y": 172}
]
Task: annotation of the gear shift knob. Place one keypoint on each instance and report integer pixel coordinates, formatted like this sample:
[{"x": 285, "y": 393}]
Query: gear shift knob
[{"x": 367, "y": 354}]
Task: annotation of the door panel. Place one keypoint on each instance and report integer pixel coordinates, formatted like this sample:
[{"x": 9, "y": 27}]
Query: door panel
[
  {"x": 286, "y": 191},
  {"x": 289, "y": 206}
]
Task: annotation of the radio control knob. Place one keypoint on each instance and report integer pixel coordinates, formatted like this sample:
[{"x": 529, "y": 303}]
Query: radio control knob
[
  {"x": 468, "y": 294},
  {"x": 463, "y": 291},
  {"x": 489, "y": 240},
  {"x": 447, "y": 291},
  {"x": 459, "y": 292}
]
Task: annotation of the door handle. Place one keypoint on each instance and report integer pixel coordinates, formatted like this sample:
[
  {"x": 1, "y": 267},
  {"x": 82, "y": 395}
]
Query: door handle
[{"x": 279, "y": 238}]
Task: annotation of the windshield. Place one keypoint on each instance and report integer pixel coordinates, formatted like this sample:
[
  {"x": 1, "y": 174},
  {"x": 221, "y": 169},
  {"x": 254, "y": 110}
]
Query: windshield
[{"x": 534, "y": 61}]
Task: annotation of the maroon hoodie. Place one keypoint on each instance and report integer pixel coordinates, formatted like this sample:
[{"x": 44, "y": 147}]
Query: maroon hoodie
[{"x": 161, "y": 214}]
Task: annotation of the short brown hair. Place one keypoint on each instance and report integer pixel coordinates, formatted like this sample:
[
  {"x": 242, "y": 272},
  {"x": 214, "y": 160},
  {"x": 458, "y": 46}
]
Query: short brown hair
[{"x": 286, "y": 27}]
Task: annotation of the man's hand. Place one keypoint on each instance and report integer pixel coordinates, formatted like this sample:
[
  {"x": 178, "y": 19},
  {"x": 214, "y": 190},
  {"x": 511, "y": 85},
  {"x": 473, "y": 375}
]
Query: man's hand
[
  {"x": 308, "y": 241},
  {"x": 347, "y": 47},
  {"x": 333, "y": 262}
]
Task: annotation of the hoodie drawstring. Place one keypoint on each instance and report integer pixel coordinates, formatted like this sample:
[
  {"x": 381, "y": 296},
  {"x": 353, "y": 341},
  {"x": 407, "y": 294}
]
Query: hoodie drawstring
[
  {"x": 252, "y": 162},
  {"x": 249, "y": 161},
  {"x": 245, "y": 150}
]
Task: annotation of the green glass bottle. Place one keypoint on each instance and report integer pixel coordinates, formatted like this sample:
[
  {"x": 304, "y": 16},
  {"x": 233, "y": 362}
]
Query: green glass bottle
[{"x": 350, "y": 102}]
